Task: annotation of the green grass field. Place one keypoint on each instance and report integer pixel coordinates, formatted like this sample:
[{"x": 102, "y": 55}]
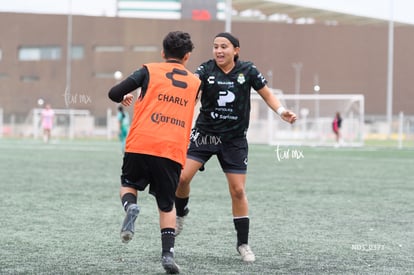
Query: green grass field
[{"x": 312, "y": 210}]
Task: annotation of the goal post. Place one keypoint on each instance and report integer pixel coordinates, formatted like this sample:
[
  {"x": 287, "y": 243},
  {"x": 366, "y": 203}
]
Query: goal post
[
  {"x": 315, "y": 116},
  {"x": 1, "y": 123},
  {"x": 69, "y": 123}
]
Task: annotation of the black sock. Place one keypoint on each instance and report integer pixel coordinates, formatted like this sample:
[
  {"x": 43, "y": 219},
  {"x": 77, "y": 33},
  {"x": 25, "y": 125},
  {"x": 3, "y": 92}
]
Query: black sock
[
  {"x": 242, "y": 229},
  {"x": 167, "y": 241},
  {"x": 128, "y": 199},
  {"x": 180, "y": 206}
]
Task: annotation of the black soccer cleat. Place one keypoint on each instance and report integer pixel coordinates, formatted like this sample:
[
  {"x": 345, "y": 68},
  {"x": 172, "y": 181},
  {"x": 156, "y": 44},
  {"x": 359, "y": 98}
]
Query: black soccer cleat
[{"x": 169, "y": 265}]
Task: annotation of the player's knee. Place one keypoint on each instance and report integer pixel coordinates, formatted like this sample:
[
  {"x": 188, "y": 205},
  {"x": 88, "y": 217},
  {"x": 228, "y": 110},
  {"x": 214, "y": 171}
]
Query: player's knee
[
  {"x": 184, "y": 180},
  {"x": 165, "y": 206},
  {"x": 238, "y": 193}
]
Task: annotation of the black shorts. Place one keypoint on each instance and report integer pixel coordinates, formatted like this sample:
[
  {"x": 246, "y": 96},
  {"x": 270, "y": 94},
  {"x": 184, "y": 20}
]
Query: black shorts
[
  {"x": 162, "y": 174},
  {"x": 231, "y": 154}
]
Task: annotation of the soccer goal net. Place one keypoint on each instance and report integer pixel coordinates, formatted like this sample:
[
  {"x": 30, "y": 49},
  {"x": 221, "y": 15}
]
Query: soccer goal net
[
  {"x": 314, "y": 125},
  {"x": 68, "y": 123}
]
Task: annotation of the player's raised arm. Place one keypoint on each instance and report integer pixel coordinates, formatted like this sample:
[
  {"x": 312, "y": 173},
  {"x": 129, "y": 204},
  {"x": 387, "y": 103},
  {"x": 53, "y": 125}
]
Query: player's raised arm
[{"x": 274, "y": 103}]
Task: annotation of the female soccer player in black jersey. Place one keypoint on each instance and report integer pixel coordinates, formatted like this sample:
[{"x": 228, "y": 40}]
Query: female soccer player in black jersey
[{"x": 221, "y": 129}]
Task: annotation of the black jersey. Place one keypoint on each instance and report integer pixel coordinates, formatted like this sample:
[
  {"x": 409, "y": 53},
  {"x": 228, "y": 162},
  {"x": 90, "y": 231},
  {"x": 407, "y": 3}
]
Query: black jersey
[{"x": 225, "y": 101}]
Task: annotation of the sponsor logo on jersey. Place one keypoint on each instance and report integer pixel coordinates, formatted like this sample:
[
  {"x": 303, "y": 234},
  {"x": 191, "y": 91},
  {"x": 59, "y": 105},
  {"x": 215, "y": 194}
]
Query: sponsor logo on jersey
[
  {"x": 225, "y": 97},
  {"x": 214, "y": 115},
  {"x": 211, "y": 79},
  {"x": 227, "y": 83},
  {"x": 175, "y": 82},
  {"x": 160, "y": 118},
  {"x": 173, "y": 99}
]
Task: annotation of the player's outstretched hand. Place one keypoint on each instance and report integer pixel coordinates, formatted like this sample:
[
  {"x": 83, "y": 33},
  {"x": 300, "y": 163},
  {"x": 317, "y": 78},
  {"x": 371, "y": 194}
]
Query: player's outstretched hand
[
  {"x": 127, "y": 101},
  {"x": 289, "y": 116}
]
